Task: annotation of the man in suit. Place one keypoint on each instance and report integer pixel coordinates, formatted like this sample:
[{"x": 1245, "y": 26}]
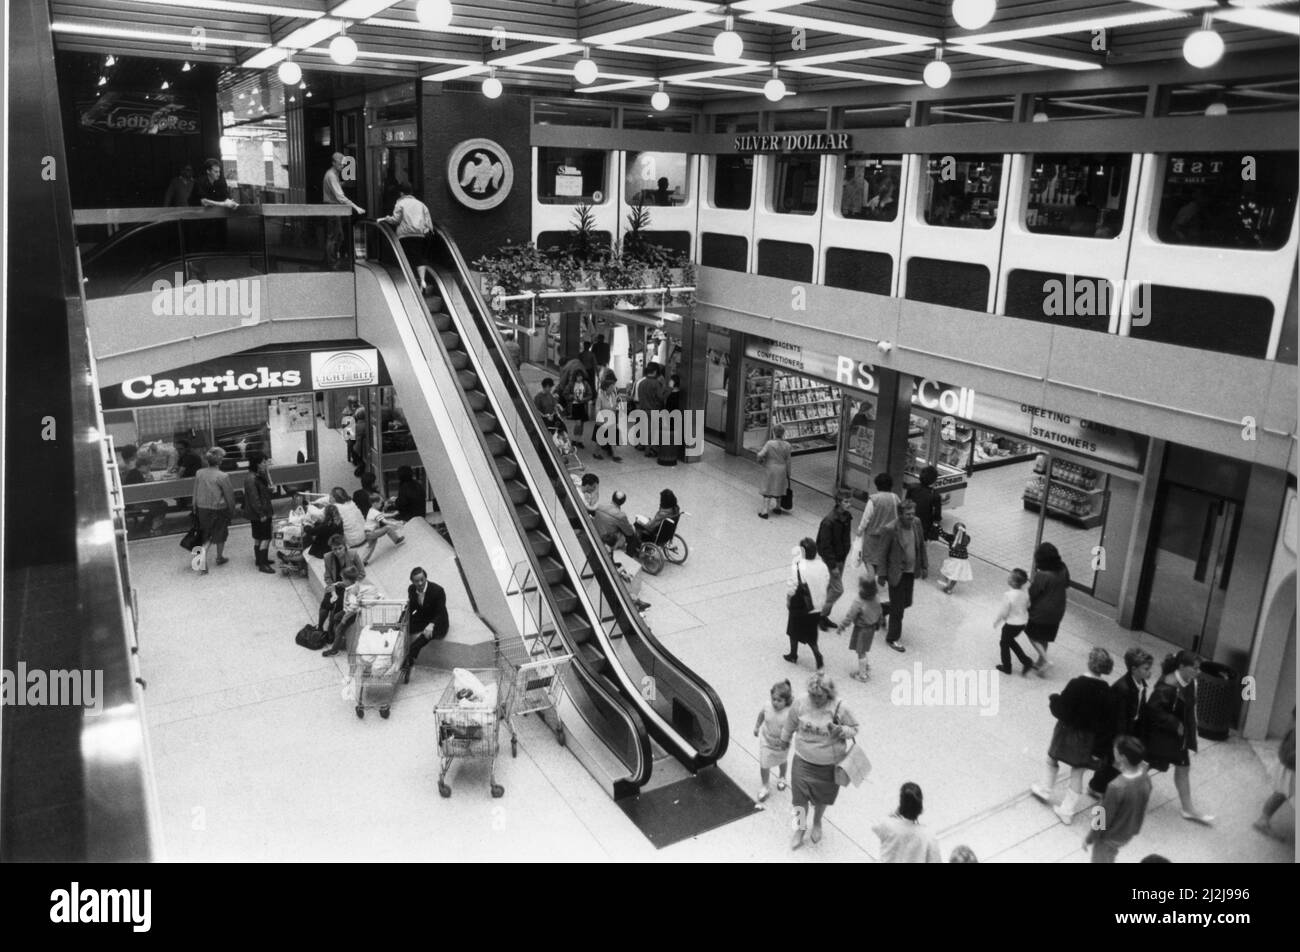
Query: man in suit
[
  {"x": 1128, "y": 698},
  {"x": 426, "y": 613},
  {"x": 904, "y": 561}
]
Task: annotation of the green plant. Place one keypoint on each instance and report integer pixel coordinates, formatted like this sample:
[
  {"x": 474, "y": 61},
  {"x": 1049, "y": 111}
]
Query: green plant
[
  {"x": 638, "y": 222},
  {"x": 582, "y": 240}
]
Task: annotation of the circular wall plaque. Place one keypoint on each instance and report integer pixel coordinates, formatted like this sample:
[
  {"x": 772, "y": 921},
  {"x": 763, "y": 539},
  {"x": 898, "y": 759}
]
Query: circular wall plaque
[{"x": 480, "y": 174}]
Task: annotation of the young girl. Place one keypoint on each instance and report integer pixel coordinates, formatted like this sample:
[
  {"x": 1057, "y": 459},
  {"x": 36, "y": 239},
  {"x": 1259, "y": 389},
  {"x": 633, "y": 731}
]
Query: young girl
[
  {"x": 772, "y": 751},
  {"x": 956, "y": 568},
  {"x": 865, "y": 615},
  {"x": 1012, "y": 618}
]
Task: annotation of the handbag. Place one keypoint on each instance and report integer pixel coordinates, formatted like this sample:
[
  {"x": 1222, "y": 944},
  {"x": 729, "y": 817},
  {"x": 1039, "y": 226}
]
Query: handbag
[
  {"x": 787, "y": 500},
  {"x": 853, "y": 765},
  {"x": 800, "y": 600},
  {"x": 194, "y": 537}
]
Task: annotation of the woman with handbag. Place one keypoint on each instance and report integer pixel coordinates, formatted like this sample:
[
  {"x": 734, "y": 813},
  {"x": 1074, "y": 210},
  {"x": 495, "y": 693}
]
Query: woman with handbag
[
  {"x": 1084, "y": 717},
  {"x": 809, "y": 579},
  {"x": 821, "y": 727},
  {"x": 775, "y": 457},
  {"x": 1169, "y": 722}
]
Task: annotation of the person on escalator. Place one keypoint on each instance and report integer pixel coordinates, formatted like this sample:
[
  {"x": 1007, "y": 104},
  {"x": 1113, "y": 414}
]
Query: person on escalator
[
  {"x": 414, "y": 224},
  {"x": 426, "y": 614}
]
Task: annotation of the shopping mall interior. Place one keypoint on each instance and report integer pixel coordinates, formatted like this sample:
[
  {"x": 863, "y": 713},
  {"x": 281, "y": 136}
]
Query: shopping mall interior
[{"x": 1034, "y": 263}]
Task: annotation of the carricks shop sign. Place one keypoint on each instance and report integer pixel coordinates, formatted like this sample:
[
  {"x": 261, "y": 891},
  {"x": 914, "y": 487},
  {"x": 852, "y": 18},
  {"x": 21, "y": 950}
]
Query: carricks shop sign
[
  {"x": 249, "y": 375},
  {"x": 797, "y": 142}
]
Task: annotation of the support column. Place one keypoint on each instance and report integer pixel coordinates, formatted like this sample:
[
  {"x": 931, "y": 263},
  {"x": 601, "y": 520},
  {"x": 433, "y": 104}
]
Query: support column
[
  {"x": 893, "y": 420},
  {"x": 694, "y": 372}
]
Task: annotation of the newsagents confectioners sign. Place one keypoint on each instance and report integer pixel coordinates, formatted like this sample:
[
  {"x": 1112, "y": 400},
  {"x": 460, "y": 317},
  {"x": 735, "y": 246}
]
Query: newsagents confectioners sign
[{"x": 250, "y": 375}]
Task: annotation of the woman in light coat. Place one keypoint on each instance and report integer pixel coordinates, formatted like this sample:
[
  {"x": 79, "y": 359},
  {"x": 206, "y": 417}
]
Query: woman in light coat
[
  {"x": 802, "y": 623},
  {"x": 775, "y": 457}
]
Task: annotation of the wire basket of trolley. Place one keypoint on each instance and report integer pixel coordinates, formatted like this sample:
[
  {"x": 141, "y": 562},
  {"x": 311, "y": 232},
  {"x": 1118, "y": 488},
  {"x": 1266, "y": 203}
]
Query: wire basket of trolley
[
  {"x": 536, "y": 676},
  {"x": 467, "y": 719},
  {"x": 377, "y": 652}
]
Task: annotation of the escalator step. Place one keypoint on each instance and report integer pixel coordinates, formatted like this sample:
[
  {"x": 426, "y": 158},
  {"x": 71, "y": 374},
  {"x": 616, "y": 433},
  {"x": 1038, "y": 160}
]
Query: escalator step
[
  {"x": 459, "y": 359},
  {"x": 442, "y": 321},
  {"x": 579, "y": 628},
  {"x": 529, "y": 517},
  {"x": 451, "y": 340},
  {"x": 478, "y": 401},
  {"x": 468, "y": 380},
  {"x": 486, "y": 422},
  {"x": 508, "y": 469},
  {"x": 497, "y": 446},
  {"x": 566, "y": 599},
  {"x": 517, "y": 491},
  {"x": 540, "y": 542},
  {"x": 552, "y": 570}
]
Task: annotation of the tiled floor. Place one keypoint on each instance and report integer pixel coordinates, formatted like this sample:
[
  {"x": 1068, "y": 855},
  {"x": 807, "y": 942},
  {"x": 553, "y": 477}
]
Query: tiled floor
[{"x": 258, "y": 757}]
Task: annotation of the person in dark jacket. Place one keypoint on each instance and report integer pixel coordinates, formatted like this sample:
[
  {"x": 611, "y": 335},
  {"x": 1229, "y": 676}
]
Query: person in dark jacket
[
  {"x": 410, "y": 495},
  {"x": 834, "y": 540},
  {"x": 426, "y": 613},
  {"x": 1047, "y": 588},
  {"x": 671, "y": 434},
  {"x": 257, "y": 509},
  {"x": 1170, "y": 724},
  {"x": 600, "y": 350},
  {"x": 1083, "y": 712},
  {"x": 905, "y": 559},
  {"x": 1128, "y": 698},
  {"x": 929, "y": 504}
]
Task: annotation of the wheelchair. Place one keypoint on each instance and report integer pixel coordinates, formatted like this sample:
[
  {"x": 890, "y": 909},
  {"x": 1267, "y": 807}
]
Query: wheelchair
[{"x": 666, "y": 546}]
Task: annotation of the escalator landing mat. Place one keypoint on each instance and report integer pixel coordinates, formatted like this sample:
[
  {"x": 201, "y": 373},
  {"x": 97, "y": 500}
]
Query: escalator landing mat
[{"x": 687, "y": 808}]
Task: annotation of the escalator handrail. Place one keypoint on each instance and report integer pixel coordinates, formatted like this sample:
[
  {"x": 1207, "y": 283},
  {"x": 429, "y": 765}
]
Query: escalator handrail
[
  {"x": 640, "y": 772},
  {"x": 626, "y": 614}
]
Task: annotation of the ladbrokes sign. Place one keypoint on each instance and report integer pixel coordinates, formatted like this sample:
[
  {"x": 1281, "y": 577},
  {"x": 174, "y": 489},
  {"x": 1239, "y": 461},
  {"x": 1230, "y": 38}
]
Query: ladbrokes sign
[{"x": 249, "y": 375}]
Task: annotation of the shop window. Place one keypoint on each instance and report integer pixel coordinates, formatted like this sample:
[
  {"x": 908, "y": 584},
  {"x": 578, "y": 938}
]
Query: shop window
[
  {"x": 869, "y": 186},
  {"x": 572, "y": 176},
  {"x": 732, "y": 123},
  {"x": 785, "y": 259},
  {"x": 678, "y": 242},
  {"x": 1092, "y": 104},
  {"x": 794, "y": 184},
  {"x": 1228, "y": 199},
  {"x": 666, "y": 121},
  {"x": 870, "y": 271},
  {"x": 657, "y": 178},
  {"x": 1080, "y": 196},
  {"x": 1277, "y": 94},
  {"x": 1067, "y": 300},
  {"x": 393, "y": 426},
  {"x": 799, "y": 120},
  {"x": 891, "y": 115},
  {"x": 989, "y": 109},
  {"x": 571, "y": 114},
  {"x": 1208, "y": 320},
  {"x": 951, "y": 283},
  {"x": 733, "y": 181},
  {"x": 724, "y": 251},
  {"x": 808, "y": 409},
  {"x": 961, "y": 191}
]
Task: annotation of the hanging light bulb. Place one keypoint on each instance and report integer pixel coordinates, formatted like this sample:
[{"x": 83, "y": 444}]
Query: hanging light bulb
[
  {"x": 433, "y": 14},
  {"x": 585, "y": 70},
  {"x": 1040, "y": 114},
  {"x": 660, "y": 99},
  {"x": 187, "y": 67},
  {"x": 774, "y": 89},
  {"x": 492, "y": 87},
  {"x": 343, "y": 49},
  {"x": 1204, "y": 47},
  {"x": 728, "y": 45},
  {"x": 110, "y": 60},
  {"x": 937, "y": 72},
  {"x": 103, "y": 81},
  {"x": 165, "y": 85},
  {"x": 973, "y": 14},
  {"x": 302, "y": 85},
  {"x": 290, "y": 72}
]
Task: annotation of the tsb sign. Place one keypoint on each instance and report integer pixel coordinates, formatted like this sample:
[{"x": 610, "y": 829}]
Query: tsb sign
[{"x": 930, "y": 394}]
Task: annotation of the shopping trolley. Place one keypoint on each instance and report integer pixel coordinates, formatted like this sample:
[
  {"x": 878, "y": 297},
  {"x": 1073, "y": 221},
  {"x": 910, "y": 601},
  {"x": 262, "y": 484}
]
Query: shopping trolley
[
  {"x": 535, "y": 684},
  {"x": 376, "y": 657},
  {"x": 469, "y": 728}
]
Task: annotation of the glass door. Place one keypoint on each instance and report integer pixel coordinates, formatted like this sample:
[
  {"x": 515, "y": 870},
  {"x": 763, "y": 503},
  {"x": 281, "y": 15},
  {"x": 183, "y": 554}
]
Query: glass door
[{"x": 857, "y": 448}]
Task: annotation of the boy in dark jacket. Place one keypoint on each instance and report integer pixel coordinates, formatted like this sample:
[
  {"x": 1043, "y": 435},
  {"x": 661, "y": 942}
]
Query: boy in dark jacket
[
  {"x": 834, "y": 540},
  {"x": 1125, "y": 804}
]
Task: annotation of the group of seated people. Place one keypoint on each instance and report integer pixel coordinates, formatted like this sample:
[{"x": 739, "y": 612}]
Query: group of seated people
[
  {"x": 137, "y": 468},
  {"x": 363, "y": 518},
  {"x": 612, "y": 523}
]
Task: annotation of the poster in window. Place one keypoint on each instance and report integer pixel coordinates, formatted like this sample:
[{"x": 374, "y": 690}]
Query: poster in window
[
  {"x": 568, "y": 183},
  {"x": 300, "y": 414}
]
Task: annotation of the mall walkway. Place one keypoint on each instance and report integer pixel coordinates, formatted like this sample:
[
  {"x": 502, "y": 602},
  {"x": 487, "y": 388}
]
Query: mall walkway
[{"x": 258, "y": 757}]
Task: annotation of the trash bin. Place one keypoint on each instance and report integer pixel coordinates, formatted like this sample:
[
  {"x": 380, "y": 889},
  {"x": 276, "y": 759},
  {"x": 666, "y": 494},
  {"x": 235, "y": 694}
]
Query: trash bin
[{"x": 1218, "y": 697}]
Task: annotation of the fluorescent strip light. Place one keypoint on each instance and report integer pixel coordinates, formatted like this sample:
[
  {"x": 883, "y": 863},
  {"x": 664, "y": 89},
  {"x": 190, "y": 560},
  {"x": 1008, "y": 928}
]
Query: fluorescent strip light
[
  {"x": 122, "y": 33},
  {"x": 460, "y": 72},
  {"x": 763, "y": 6},
  {"x": 841, "y": 29},
  {"x": 685, "y": 21},
  {"x": 694, "y": 84},
  {"x": 231, "y": 6},
  {"x": 568, "y": 71},
  {"x": 616, "y": 87},
  {"x": 712, "y": 73},
  {"x": 1259, "y": 3},
  {"x": 688, "y": 6},
  {"x": 265, "y": 59},
  {"x": 361, "y": 9},
  {"x": 1178, "y": 4},
  {"x": 311, "y": 34},
  {"x": 845, "y": 74},
  {"x": 532, "y": 56},
  {"x": 1070, "y": 26},
  {"x": 1263, "y": 19},
  {"x": 846, "y": 56},
  {"x": 1019, "y": 56},
  {"x": 974, "y": 116},
  {"x": 676, "y": 54},
  {"x": 415, "y": 25}
]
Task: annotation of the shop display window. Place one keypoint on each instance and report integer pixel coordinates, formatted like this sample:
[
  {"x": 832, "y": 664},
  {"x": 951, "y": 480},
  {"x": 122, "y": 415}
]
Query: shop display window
[
  {"x": 1081, "y": 196},
  {"x": 794, "y": 184},
  {"x": 393, "y": 425},
  {"x": 572, "y": 114},
  {"x": 1077, "y": 494},
  {"x": 961, "y": 191},
  {"x": 869, "y": 186},
  {"x": 994, "y": 449},
  {"x": 1208, "y": 199},
  {"x": 808, "y": 409},
  {"x": 572, "y": 176},
  {"x": 888, "y": 115},
  {"x": 799, "y": 120},
  {"x": 657, "y": 178},
  {"x": 731, "y": 123},
  {"x": 733, "y": 181},
  {"x": 859, "y": 445},
  {"x": 667, "y": 121}
]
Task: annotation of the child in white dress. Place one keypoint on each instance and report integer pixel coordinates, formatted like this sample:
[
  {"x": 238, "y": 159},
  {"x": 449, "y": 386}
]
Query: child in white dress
[
  {"x": 772, "y": 751},
  {"x": 956, "y": 568}
]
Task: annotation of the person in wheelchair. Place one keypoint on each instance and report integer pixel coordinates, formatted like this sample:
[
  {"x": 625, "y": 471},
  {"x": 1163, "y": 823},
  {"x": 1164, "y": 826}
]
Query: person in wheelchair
[{"x": 669, "y": 511}]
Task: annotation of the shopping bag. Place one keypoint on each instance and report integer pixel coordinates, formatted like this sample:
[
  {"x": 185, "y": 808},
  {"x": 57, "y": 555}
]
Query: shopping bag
[
  {"x": 787, "y": 501},
  {"x": 194, "y": 537},
  {"x": 854, "y": 767}
]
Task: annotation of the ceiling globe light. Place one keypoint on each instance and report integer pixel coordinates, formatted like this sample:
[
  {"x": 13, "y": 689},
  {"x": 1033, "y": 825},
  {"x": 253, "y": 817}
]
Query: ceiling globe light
[
  {"x": 343, "y": 50},
  {"x": 973, "y": 14},
  {"x": 660, "y": 99},
  {"x": 1217, "y": 108},
  {"x": 433, "y": 14},
  {"x": 492, "y": 87},
  {"x": 937, "y": 72},
  {"x": 1203, "y": 48},
  {"x": 585, "y": 70},
  {"x": 1041, "y": 115},
  {"x": 728, "y": 45},
  {"x": 774, "y": 89},
  {"x": 290, "y": 73}
]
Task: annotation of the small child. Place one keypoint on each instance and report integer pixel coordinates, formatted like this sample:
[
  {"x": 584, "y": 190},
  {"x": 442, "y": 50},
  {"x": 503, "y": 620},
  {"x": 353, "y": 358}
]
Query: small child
[
  {"x": 772, "y": 751},
  {"x": 1124, "y": 804},
  {"x": 955, "y": 568},
  {"x": 866, "y": 614},
  {"x": 1012, "y": 618}
]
